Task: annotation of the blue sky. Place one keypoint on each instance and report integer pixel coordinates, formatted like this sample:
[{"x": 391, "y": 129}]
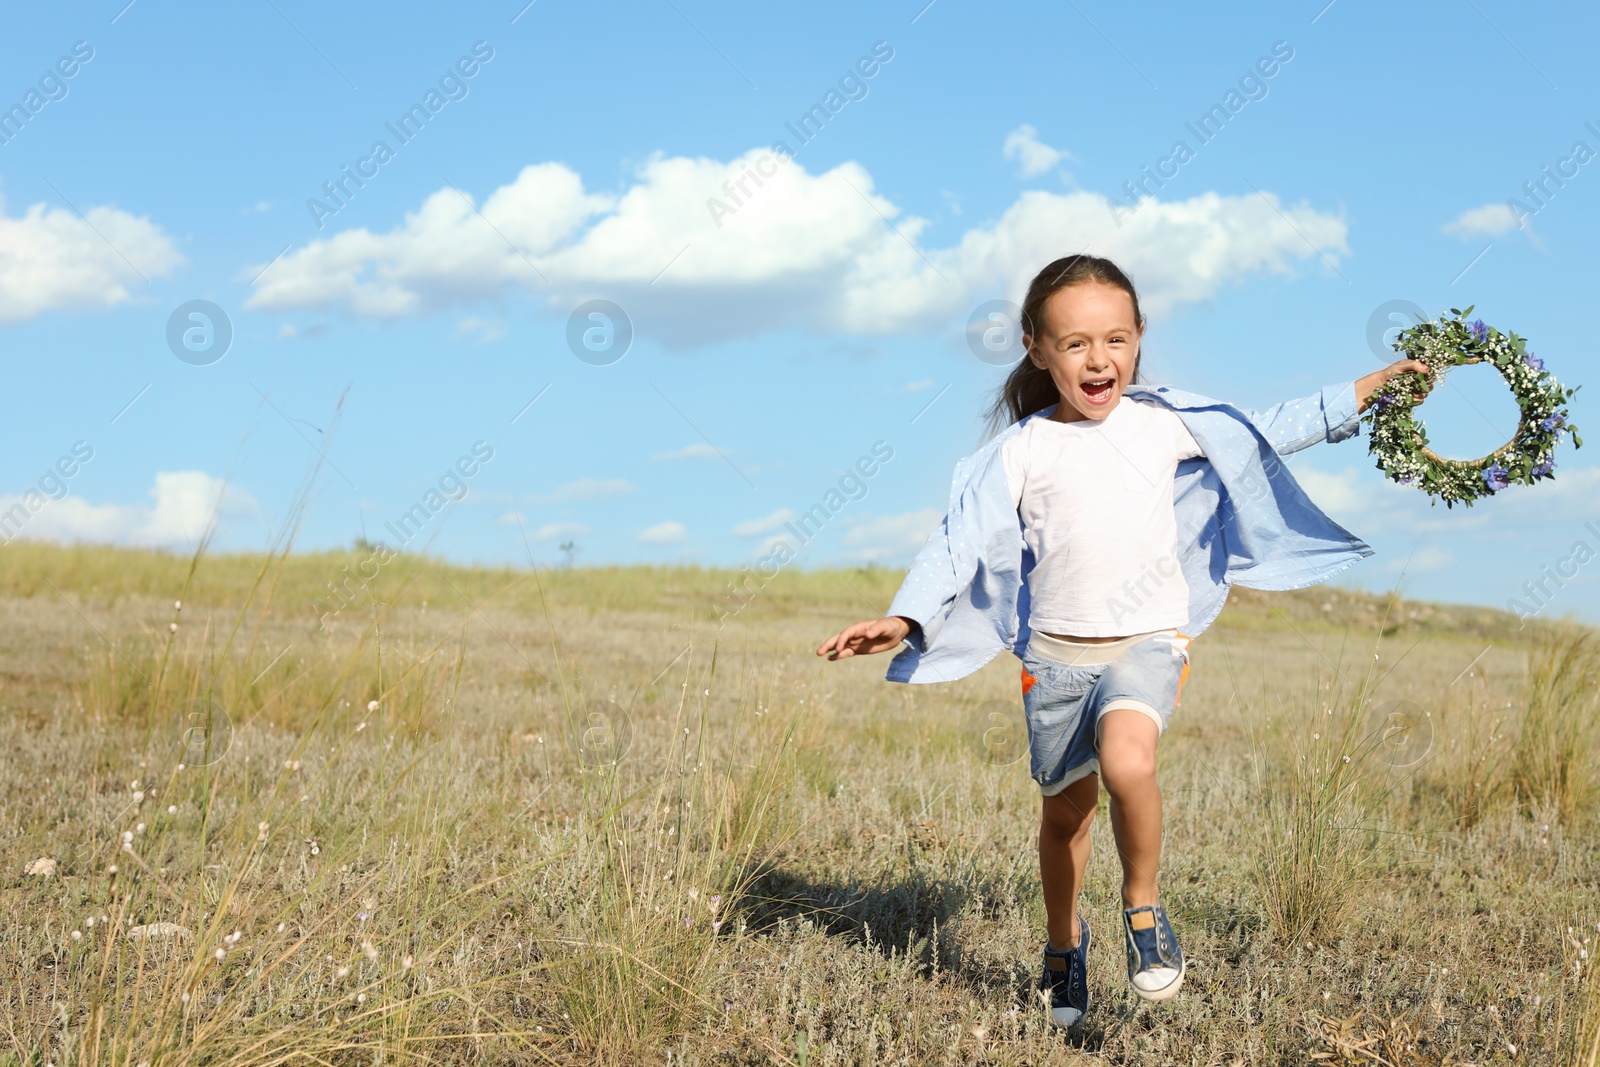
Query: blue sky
[{"x": 780, "y": 331}]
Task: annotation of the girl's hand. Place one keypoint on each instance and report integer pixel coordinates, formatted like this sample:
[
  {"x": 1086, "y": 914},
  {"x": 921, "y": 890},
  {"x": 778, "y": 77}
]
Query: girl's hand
[
  {"x": 1367, "y": 385},
  {"x": 864, "y": 638}
]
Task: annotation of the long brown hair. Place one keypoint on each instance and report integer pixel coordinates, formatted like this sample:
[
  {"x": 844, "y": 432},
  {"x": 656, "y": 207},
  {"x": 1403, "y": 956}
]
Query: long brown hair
[{"x": 1029, "y": 388}]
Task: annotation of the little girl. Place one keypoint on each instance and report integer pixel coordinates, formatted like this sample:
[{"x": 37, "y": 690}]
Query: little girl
[{"x": 1095, "y": 537}]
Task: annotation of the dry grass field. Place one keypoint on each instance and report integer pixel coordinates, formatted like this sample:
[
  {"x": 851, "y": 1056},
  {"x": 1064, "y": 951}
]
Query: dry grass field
[{"x": 506, "y": 816}]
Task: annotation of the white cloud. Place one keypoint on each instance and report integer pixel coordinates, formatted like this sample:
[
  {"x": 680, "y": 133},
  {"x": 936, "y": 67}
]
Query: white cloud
[
  {"x": 50, "y": 258},
  {"x": 891, "y": 539},
  {"x": 551, "y": 531},
  {"x": 1425, "y": 558},
  {"x": 765, "y": 525},
  {"x": 485, "y": 330},
  {"x": 1333, "y": 492},
  {"x": 584, "y": 489},
  {"x": 663, "y": 533},
  {"x": 1032, "y": 156},
  {"x": 698, "y": 450},
  {"x": 825, "y": 253},
  {"x": 181, "y": 509},
  {"x": 1493, "y": 220}
]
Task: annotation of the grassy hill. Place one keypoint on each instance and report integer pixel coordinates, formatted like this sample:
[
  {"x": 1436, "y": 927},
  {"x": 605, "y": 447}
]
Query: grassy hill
[{"x": 608, "y": 815}]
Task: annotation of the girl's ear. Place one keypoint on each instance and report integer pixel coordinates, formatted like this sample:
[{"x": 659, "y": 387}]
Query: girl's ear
[{"x": 1033, "y": 355}]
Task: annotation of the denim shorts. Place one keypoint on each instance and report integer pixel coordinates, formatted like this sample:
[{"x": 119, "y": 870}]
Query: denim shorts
[{"x": 1068, "y": 685}]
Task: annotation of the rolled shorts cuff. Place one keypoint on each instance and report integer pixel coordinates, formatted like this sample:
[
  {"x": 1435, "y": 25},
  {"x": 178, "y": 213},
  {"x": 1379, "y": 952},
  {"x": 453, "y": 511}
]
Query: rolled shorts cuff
[
  {"x": 1134, "y": 705},
  {"x": 1078, "y": 773}
]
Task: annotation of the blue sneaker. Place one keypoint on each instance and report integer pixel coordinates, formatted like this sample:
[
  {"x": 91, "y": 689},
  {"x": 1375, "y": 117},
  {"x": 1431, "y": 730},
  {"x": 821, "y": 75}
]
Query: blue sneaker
[
  {"x": 1155, "y": 962},
  {"x": 1064, "y": 986}
]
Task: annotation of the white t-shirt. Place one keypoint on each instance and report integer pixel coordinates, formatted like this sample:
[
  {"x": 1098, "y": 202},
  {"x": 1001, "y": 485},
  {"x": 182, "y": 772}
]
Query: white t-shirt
[{"x": 1095, "y": 498}]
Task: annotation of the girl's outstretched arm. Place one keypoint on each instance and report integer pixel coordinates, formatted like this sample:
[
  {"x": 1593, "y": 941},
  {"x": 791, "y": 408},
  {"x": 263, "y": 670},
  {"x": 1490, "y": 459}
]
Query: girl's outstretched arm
[
  {"x": 864, "y": 638},
  {"x": 1331, "y": 414}
]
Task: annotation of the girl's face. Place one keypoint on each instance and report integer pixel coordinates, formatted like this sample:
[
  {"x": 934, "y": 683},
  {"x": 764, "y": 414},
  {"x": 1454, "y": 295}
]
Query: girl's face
[{"x": 1089, "y": 342}]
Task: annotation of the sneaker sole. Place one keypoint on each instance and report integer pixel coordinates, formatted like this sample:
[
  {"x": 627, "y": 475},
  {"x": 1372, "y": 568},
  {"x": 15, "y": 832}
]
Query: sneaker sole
[
  {"x": 1166, "y": 992},
  {"x": 1057, "y": 1020}
]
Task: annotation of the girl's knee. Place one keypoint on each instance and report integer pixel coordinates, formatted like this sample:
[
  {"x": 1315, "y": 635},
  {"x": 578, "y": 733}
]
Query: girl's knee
[
  {"x": 1130, "y": 768},
  {"x": 1064, "y": 819}
]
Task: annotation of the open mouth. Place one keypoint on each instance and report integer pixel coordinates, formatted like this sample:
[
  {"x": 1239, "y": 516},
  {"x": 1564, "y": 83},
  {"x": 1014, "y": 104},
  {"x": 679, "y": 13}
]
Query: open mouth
[{"x": 1099, "y": 390}]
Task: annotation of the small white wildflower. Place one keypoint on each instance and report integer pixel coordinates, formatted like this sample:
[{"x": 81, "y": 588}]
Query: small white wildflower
[
  {"x": 407, "y": 963},
  {"x": 172, "y": 809},
  {"x": 77, "y": 935},
  {"x": 281, "y": 927},
  {"x": 177, "y": 605},
  {"x": 111, "y": 868},
  {"x": 138, "y": 797},
  {"x": 372, "y": 705},
  {"x": 360, "y": 726},
  {"x": 1347, "y": 759},
  {"x": 341, "y": 972},
  {"x": 184, "y": 997},
  {"x": 172, "y": 627},
  {"x": 370, "y": 952},
  {"x": 221, "y": 953},
  {"x": 138, "y": 828},
  {"x": 127, "y": 836},
  {"x": 361, "y": 998}
]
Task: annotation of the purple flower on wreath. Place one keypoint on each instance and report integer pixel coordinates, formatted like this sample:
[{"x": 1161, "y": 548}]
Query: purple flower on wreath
[
  {"x": 1496, "y": 478},
  {"x": 1552, "y": 421},
  {"x": 1543, "y": 468},
  {"x": 1382, "y": 401},
  {"x": 1479, "y": 330},
  {"x": 1533, "y": 361},
  {"x": 1406, "y": 479}
]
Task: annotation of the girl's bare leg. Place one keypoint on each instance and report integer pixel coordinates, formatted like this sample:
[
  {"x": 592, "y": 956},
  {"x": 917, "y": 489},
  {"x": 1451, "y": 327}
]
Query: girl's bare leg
[
  {"x": 1128, "y": 765},
  {"x": 1064, "y": 856}
]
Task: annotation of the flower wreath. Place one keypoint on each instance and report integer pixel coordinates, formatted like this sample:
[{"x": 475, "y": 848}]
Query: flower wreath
[{"x": 1400, "y": 442}]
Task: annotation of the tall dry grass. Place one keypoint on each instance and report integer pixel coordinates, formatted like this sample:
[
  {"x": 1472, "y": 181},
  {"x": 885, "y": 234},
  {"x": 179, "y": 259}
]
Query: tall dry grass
[
  {"x": 283, "y": 880},
  {"x": 1553, "y": 762},
  {"x": 1322, "y": 783}
]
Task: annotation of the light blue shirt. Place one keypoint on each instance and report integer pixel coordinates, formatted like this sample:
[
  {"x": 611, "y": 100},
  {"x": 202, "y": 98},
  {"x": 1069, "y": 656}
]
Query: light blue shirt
[{"x": 1241, "y": 517}]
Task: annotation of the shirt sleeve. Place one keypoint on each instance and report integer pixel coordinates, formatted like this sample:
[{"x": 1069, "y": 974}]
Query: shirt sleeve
[
  {"x": 1014, "y": 454},
  {"x": 1329, "y": 415},
  {"x": 1184, "y": 444}
]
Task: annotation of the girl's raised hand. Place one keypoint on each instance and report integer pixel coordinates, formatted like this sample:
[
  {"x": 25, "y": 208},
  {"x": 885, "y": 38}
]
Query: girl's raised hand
[
  {"x": 864, "y": 638},
  {"x": 1365, "y": 386}
]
